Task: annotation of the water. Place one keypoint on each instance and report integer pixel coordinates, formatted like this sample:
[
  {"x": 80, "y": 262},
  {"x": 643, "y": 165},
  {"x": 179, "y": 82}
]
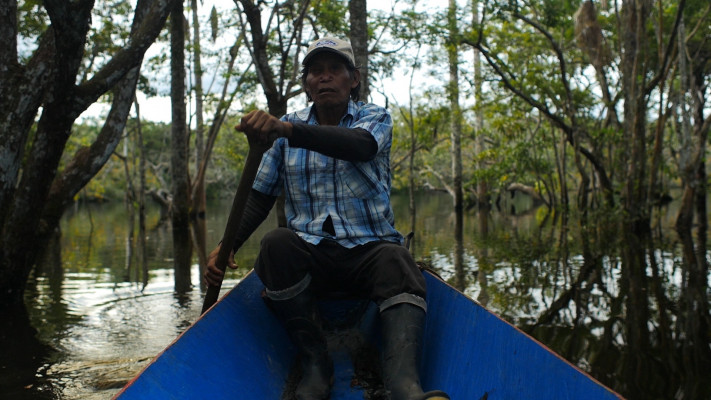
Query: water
[
  {"x": 89, "y": 303},
  {"x": 111, "y": 332}
]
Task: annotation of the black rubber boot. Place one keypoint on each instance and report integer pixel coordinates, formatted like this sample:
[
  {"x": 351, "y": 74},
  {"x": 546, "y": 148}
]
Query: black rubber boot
[
  {"x": 402, "y": 328},
  {"x": 300, "y": 317}
]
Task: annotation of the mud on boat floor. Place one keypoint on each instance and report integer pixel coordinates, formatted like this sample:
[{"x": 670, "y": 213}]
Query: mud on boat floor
[{"x": 364, "y": 356}]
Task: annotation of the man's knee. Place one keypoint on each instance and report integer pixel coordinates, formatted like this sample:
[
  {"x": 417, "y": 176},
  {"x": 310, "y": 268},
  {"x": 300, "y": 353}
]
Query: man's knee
[
  {"x": 282, "y": 262},
  {"x": 396, "y": 255},
  {"x": 396, "y": 273},
  {"x": 276, "y": 238}
]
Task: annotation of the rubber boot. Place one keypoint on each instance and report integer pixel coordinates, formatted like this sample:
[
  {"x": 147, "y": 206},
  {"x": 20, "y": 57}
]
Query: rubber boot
[
  {"x": 300, "y": 317},
  {"x": 402, "y": 329}
]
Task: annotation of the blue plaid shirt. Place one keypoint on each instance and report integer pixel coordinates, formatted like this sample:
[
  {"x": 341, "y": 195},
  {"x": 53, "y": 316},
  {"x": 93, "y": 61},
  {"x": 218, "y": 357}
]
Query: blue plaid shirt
[{"x": 356, "y": 195}]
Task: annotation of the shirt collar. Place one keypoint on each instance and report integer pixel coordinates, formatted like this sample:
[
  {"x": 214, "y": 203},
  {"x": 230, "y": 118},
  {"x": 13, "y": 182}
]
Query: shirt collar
[{"x": 308, "y": 114}]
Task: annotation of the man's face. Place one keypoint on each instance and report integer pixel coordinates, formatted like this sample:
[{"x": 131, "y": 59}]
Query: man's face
[{"x": 328, "y": 80}]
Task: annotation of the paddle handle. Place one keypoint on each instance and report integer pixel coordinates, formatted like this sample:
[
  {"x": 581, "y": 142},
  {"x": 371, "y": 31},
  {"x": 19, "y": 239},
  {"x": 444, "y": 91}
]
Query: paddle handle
[{"x": 251, "y": 165}]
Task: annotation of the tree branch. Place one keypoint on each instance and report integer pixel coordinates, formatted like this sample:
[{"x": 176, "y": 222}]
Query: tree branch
[
  {"x": 667, "y": 53},
  {"x": 143, "y": 36}
]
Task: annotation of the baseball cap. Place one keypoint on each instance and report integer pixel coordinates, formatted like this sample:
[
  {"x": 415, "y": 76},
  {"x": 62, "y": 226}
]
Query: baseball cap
[{"x": 331, "y": 44}]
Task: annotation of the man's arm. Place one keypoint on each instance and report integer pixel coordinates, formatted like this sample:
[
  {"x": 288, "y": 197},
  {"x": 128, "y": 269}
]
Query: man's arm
[
  {"x": 256, "y": 211},
  {"x": 348, "y": 144}
]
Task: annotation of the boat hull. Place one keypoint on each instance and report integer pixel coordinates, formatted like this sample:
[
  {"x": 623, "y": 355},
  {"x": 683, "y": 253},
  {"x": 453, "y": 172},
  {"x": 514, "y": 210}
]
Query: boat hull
[{"x": 239, "y": 350}]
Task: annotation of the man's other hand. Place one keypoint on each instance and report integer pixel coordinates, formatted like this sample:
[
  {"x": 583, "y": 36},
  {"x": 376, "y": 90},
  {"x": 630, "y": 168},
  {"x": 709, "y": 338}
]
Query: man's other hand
[{"x": 213, "y": 275}]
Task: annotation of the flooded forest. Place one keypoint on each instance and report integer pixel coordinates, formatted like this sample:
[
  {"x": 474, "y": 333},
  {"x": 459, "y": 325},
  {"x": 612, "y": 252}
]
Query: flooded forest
[{"x": 550, "y": 158}]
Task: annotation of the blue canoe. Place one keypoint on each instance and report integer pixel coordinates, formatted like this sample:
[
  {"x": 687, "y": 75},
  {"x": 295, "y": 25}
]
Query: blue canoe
[{"x": 238, "y": 350}]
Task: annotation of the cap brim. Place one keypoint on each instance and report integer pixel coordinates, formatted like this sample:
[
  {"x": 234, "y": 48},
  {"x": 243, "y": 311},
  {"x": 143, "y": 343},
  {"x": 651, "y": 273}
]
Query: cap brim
[{"x": 320, "y": 50}]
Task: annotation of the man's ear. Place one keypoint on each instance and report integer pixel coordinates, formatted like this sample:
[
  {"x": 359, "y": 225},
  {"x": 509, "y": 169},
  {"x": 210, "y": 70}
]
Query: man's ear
[{"x": 356, "y": 78}]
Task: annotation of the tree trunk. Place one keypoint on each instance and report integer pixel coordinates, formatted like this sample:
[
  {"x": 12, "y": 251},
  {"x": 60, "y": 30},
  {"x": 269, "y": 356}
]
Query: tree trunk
[
  {"x": 695, "y": 317},
  {"x": 453, "y": 92},
  {"x": 129, "y": 200},
  {"x": 633, "y": 60},
  {"x": 483, "y": 198},
  {"x": 410, "y": 119},
  {"x": 21, "y": 220},
  {"x": 180, "y": 215},
  {"x": 198, "y": 195},
  {"x": 142, "y": 250},
  {"x": 635, "y": 226},
  {"x": 48, "y": 80},
  {"x": 359, "y": 41},
  {"x": 562, "y": 170},
  {"x": 653, "y": 187},
  {"x": 693, "y": 139}
]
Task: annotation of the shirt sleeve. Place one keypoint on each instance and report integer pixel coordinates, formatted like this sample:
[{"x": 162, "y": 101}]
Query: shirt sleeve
[
  {"x": 270, "y": 178},
  {"x": 346, "y": 144},
  {"x": 378, "y": 121}
]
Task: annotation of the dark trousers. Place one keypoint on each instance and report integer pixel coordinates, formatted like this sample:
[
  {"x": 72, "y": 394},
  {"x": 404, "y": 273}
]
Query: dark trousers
[{"x": 381, "y": 271}]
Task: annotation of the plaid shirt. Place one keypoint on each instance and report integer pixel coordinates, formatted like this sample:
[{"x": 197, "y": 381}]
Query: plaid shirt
[{"x": 355, "y": 194}]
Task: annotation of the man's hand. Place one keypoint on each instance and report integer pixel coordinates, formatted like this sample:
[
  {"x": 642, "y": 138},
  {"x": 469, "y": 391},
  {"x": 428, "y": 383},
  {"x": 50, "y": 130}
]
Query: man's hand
[
  {"x": 213, "y": 275},
  {"x": 263, "y": 128}
]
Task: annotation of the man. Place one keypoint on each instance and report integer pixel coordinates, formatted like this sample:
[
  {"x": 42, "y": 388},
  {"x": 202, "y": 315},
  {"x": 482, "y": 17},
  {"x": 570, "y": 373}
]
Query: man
[{"x": 332, "y": 162}]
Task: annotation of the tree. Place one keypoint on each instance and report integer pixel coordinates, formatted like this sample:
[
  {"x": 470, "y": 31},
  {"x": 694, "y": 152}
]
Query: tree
[
  {"x": 280, "y": 81},
  {"x": 693, "y": 129},
  {"x": 197, "y": 194},
  {"x": 456, "y": 133},
  {"x": 483, "y": 198},
  {"x": 541, "y": 82},
  {"x": 45, "y": 82},
  {"x": 359, "y": 40},
  {"x": 180, "y": 210}
]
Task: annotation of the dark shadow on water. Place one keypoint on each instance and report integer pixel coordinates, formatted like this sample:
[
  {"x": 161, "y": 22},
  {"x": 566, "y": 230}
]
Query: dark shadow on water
[{"x": 22, "y": 359}]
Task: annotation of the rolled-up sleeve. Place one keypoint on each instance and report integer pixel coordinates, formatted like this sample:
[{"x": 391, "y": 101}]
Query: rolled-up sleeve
[{"x": 378, "y": 122}]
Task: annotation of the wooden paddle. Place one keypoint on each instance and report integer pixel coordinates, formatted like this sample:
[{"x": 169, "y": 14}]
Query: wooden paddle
[{"x": 251, "y": 165}]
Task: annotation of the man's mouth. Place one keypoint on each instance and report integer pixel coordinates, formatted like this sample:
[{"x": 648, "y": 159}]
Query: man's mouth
[{"x": 326, "y": 90}]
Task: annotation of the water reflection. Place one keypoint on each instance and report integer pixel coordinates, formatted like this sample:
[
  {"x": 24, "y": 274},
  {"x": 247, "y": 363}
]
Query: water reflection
[{"x": 630, "y": 312}]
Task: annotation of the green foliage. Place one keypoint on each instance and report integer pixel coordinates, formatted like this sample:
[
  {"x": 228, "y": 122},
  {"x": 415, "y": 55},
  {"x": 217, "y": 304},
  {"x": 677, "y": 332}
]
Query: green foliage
[
  {"x": 214, "y": 27},
  {"x": 32, "y": 21},
  {"x": 111, "y": 183},
  {"x": 228, "y": 158},
  {"x": 430, "y": 127},
  {"x": 331, "y": 16},
  {"x": 555, "y": 13}
]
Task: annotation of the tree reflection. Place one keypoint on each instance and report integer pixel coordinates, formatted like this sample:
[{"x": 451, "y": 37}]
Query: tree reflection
[
  {"x": 460, "y": 280},
  {"x": 611, "y": 302},
  {"x": 21, "y": 358},
  {"x": 24, "y": 357},
  {"x": 693, "y": 317},
  {"x": 484, "y": 218}
]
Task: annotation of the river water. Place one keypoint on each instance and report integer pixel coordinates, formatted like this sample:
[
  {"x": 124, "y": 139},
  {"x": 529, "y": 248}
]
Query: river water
[{"x": 103, "y": 317}]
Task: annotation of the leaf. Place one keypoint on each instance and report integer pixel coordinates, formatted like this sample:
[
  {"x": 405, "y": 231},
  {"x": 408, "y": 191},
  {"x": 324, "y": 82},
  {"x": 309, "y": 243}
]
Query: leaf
[{"x": 214, "y": 23}]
